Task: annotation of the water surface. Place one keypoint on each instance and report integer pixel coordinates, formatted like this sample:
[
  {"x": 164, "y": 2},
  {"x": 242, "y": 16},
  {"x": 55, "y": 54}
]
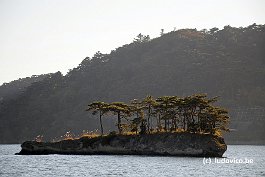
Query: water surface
[{"x": 124, "y": 165}]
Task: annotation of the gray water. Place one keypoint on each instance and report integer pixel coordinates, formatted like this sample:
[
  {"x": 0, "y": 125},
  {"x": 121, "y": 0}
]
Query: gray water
[{"x": 244, "y": 161}]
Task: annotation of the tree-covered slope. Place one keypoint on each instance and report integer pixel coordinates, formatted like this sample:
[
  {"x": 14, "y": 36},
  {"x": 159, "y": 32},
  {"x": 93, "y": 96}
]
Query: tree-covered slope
[
  {"x": 228, "y": 62},
  {"x": 14, "y": 88}
]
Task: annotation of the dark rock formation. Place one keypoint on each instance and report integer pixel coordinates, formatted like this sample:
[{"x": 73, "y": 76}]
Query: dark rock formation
[{"x": 171, "y": 144}]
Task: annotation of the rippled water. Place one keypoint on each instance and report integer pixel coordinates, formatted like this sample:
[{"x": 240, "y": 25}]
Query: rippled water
[{"x": 103, "y": 165}]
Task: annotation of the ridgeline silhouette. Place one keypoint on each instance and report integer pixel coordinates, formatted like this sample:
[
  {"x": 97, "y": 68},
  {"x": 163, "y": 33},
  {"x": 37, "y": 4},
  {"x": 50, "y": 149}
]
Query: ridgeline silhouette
[{"x": 228, "y": 63}]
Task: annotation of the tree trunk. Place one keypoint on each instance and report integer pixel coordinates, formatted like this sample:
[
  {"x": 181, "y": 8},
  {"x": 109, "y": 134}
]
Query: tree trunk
[
  {"x": 148, "y": 120},
  {"x": 184, "y": 123},
  {"x": 137, "y": 116},
  {"x": 101, "y": 126},
  {"x": 119, "y": 123},
  {"x": 165, "y": 125},
  {"x": 159, "y": 122}
]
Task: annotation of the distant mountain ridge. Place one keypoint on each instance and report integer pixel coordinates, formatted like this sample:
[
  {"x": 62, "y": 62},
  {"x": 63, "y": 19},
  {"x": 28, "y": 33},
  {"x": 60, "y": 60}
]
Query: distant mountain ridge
[
  {"x": 228, "y": 62},
  {"x": 12, "y": 89}
]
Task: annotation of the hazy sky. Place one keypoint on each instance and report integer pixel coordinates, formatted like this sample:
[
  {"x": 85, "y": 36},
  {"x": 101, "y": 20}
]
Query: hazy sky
[{"x": 43, "y": 36}]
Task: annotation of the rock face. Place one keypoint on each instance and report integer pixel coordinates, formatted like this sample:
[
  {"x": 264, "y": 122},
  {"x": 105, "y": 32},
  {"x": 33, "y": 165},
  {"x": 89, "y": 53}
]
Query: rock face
[{"x": 170, "y": 144}]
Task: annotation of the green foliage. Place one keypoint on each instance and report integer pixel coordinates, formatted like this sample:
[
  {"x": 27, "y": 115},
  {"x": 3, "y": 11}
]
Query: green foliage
[
  {"x": 228, "y": 62},
  {"x": 101, "y": 108},
  {"x": 140, "y": 38},
  {"x": 122, "y": 110},
  {"x": 192, "y": 114}
]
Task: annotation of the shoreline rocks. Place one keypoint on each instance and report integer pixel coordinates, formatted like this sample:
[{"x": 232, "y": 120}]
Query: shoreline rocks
[{"x": 162, "y": 144}]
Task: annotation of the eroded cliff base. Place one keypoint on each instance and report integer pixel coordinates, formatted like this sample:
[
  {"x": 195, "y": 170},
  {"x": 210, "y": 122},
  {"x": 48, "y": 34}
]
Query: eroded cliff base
[{"x": 169, "y": 144}]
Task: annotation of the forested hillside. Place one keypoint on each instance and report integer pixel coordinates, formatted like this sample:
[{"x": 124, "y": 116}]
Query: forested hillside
[
  {"x": 229, "y": 63},
  {"x": 13, "y": 89}
]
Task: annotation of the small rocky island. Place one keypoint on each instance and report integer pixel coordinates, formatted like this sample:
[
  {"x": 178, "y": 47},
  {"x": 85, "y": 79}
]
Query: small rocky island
[
  {"x": 170, "y": 144},
  {"x": 168, "y": 125}
]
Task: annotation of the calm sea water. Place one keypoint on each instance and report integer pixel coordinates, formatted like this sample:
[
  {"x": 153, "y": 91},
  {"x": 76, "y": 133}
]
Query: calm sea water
[{"x": 240, "y": 161}]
